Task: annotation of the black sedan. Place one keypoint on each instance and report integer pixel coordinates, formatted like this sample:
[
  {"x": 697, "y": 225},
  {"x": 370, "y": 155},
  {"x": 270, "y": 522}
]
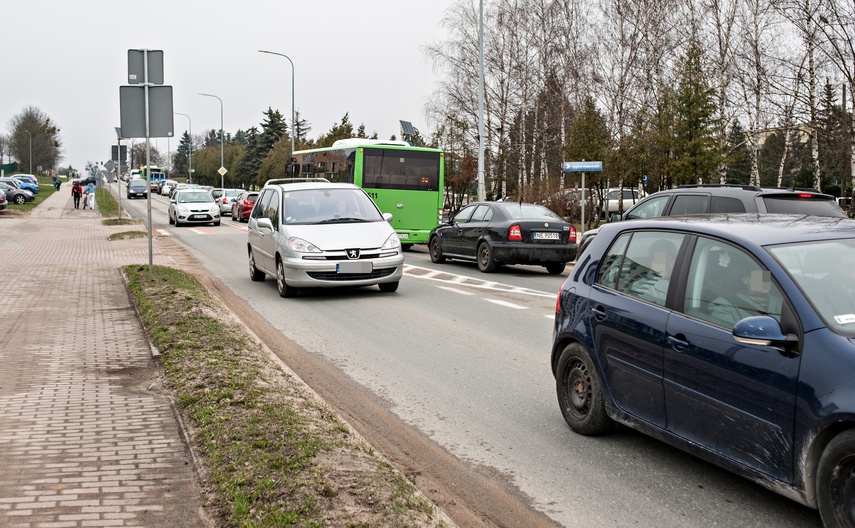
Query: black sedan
[{"x": 495, "y": 233}]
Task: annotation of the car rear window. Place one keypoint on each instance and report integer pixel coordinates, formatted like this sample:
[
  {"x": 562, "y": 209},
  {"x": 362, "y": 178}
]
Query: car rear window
[{"x": 803, "y": 204}]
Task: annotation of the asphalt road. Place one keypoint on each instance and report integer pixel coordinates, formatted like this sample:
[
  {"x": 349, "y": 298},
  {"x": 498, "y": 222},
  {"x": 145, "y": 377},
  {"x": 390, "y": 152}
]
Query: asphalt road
[{"x": 461, "y": 358}]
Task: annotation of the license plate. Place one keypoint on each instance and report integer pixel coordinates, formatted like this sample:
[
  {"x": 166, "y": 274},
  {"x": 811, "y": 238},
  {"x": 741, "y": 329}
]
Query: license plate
[
  {"x": 198, "y": 217},
  {"x": 403, "y": 235},
  {"x": 353, "y": 267},
  {"x": 546, "y": 236}
]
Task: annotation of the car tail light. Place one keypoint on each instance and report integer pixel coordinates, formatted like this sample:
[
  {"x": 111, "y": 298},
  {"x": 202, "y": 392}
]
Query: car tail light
[
  {"x": 558, "y": 299},
  {"x": 805, "y": 195},
  {"x": 514, "y": 233},
  {"x": 572, "y": 236}
]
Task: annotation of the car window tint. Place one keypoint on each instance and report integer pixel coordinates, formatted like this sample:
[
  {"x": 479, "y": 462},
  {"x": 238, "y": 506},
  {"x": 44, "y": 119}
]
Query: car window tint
[
  {"x": 725, "y": 284},
  {"x": 260, "y": 209},
  {"x": 650, "y": 208},
  {"x": 795, "y": 205},
  {"x": 610, "y": 265},
  {"x": 725, "y": 204},
  {"x": 464, "y": 214},
  {"x": 527, "y": 211},
  {"x": 272, "y": 211},
  {"x": 648, "y": 265},
  {"x": 690, "y": 204}
]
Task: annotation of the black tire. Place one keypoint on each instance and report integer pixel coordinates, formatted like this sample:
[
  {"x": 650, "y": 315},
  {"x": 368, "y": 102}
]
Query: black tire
[
  {"x": 234, "y": 217},
  {"x": 554, "y": 268},
  {"x": 435, "y": 249},
  {"x": 835, "y": 482},
  {"x": 406, "y": 247},
  {"x": 486, "y": 262},
  {"x": 580, "y": 392},
  {"x": 255, "y": 274},
  {"x": 20, "y": 199},
  {"x": 388, "y": 287},
  {"x": 170, "y": 218},
  {"x": 282, "y": 286},
  {"x": 217, "y": 223}
]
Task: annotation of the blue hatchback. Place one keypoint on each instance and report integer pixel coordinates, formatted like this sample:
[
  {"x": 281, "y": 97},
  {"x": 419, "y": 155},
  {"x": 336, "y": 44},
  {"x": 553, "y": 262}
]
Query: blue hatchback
[{"x": 731, "y": 337}]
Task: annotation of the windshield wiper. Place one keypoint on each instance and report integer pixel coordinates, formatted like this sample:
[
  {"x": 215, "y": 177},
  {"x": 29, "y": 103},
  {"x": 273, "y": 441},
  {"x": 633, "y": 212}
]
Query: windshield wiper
[{"x": 338, "y": 220}]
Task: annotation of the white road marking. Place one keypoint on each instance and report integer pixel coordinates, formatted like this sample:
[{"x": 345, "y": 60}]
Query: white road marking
[
  {"x": 507, "y": 304},
  {"x": 455, "y": 290},
  {"x": 443, "y": 276}
]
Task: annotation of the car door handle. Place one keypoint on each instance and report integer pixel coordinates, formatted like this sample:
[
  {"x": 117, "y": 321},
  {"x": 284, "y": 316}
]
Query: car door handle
[
  {"x": 678, "y": 344},
  {"x": 599, "y": 313}
]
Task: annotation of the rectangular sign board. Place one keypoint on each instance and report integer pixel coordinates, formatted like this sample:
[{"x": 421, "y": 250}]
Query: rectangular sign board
[
  {"x": 583, "y": 166},
  {"x": 115, "y": 157},
  {"x": 132, "y": 107},
  {"x": 136, "y": 66}
]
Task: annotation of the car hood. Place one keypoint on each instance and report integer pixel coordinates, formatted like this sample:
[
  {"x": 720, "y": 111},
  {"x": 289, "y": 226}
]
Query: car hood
[{"x": 331, "y": 237}]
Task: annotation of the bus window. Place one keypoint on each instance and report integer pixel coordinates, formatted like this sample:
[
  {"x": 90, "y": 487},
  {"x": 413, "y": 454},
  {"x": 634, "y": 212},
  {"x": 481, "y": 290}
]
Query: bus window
[{"x": 399, "y": 169}]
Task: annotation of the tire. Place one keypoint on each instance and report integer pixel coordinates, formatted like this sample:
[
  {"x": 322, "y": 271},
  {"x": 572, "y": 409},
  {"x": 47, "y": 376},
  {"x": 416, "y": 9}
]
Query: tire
[
  {"x": 580, "y": 392},
  {"x": 284, "y": 290},
  {"x": 554, "y": 268},
  {"x": 216, "y": 223},
  {"x": 170, "y": 218},
  {"x": 255, "y": 274},
  {"x": 835, "y": 482},
  {"x": 486, "y": 262},
  {"x": 20, "y": 199},
  {"x": 435, "y": 249},
  {"x": 234, "y": 217},
  {"x": 388, "y": 287}
]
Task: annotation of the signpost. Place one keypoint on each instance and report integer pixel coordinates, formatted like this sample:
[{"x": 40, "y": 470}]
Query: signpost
[
  {"x": 583, "y": 167},
  {"x": 146, "y": 110}
]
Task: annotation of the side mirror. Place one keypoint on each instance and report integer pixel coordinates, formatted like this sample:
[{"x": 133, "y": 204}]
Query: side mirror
[
  {"x": 762, "y": 330},
  {"x": 264, "y": 223},
  {"x": 387, "y": 217},
  {"x": 616, "y": 217}
]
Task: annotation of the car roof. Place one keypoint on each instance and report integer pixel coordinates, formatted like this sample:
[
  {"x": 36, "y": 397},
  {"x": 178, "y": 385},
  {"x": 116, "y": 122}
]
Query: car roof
[
  {"x": 748, "y": 229},
  {"x": 307, "y": 184}
]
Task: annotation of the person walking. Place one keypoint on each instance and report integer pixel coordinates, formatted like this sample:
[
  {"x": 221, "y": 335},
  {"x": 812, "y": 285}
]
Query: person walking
[
  {"x": 76, "y": 191},
  {"x": 89, "y": 196}
]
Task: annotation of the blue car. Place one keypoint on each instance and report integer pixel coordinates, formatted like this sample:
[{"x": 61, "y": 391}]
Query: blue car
[
  {"x": 28, "y": 181},
  {"x": 731, "y": 337}
]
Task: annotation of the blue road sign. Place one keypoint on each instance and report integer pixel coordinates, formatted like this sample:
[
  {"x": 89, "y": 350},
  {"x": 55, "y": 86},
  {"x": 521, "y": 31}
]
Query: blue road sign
[{"x": 583, "y": 166}]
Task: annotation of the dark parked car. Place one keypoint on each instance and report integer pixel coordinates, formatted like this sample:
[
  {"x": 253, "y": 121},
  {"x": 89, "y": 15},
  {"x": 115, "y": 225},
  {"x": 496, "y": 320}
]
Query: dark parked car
[
  {"x": 731, "y": 337},
  {"x": 15, "y": 194},
  {"x": 137, "y": 188},
  {"x": 712, "y": 198},
  {"x": 495, "y": 233},
  {"x": 242, "y": 205},
  {"x": 3, "y": 202}
]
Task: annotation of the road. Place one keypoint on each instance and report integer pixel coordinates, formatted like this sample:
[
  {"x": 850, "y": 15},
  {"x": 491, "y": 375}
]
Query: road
[{"x": 458, "y": 360}]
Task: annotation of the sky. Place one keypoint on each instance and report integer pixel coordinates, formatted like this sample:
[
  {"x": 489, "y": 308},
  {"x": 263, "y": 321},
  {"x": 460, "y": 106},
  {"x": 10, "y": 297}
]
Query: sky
[{"x": 69, "y": 58}]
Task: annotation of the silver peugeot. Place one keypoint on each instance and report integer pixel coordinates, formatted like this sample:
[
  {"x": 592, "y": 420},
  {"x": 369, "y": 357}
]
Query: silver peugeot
[{"x": 310, "y": 233}]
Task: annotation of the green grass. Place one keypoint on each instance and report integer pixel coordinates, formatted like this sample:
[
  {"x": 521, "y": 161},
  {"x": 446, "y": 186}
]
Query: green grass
[{"x": 271, "y": 451}]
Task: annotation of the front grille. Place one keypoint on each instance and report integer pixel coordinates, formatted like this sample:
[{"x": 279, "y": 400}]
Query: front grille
[{"x": 332, "y": 276}]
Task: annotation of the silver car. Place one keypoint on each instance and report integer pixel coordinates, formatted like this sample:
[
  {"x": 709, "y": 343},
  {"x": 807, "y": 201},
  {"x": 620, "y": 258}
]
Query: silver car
[
  {"x": 193, "y": 206},
  {"x": 316, "y": 234}
]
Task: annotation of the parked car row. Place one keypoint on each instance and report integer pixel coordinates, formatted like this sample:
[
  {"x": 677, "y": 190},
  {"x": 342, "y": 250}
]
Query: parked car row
[{"x": 15, "y": 191}]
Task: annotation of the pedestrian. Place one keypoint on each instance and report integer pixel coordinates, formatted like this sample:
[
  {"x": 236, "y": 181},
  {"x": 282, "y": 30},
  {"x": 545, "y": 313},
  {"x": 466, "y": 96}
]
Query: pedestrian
[
  {"x": 89, "y": 196},
  {"x": 56, "y": 183},
  {"x": 76, "y": 191}
]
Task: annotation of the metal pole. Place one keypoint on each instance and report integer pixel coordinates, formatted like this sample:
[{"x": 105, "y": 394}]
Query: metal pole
[
  {"x": 222, "y": 141},
  {"x": 190, "y": 153},
  {"x": 148, "y": 161},
  {"x": 293, "y": 111},
  {"x": 482, "y": 195},
  {"x": 118, "y": 173},
  {"x": 31, "y": 150}
]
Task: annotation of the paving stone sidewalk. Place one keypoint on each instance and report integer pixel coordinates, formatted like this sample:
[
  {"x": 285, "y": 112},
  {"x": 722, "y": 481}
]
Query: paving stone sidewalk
[{"x": 86, "y": 436}]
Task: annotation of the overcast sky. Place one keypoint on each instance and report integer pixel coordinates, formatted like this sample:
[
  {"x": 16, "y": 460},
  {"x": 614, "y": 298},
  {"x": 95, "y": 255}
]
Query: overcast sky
[{"x": 68, "y": 58}]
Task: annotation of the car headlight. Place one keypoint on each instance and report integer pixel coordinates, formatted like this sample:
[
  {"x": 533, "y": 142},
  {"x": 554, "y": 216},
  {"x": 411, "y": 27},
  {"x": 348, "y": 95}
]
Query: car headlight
[
  {"x": 301, "y": 246},
  {"x": 393, "y": 242}
]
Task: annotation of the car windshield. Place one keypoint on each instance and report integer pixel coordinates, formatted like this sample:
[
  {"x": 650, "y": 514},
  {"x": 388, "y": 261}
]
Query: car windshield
[
  {"x": 137, "y": 183},
  {"x": 195, "y": 197},
  {"x": 328, "y": 206},
  {"x": 825, "y": 272},
  {"x": 519, "y": 211}
]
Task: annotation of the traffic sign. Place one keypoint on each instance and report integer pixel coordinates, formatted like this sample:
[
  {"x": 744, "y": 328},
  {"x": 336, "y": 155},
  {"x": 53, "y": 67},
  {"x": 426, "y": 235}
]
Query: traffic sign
[
  {"x": 222, "y": 171},
  {"x": 583, "y": 166}
]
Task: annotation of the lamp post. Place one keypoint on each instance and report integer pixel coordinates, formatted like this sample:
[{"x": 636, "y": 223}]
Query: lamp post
[
  {"x": 292, "y": 93},
  {"x": 118, "y": 167},
  {"x": 31, "y": 150},
  {"x": 222, "y": 141},
  {"x": 190, "y": 153}
]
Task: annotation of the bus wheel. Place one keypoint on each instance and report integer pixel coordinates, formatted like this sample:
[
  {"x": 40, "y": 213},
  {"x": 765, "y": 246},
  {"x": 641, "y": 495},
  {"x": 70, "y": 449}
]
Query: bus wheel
[{"x": 435, "y": 251}]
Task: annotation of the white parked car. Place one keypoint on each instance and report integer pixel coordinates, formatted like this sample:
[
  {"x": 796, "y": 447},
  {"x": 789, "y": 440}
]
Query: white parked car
[
  {"x": 612, "y": 202},
  {"x": 167, "y": 186},
  {"x": 317, "y": 234}
]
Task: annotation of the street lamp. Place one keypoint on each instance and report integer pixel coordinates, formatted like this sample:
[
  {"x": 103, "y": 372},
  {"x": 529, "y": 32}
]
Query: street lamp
[
  {"x": 190, "y": 155},
  {"x": 31, "y": 150},
  {"x": 292, "y": 93},
  {"x": 222, "y": 141}
]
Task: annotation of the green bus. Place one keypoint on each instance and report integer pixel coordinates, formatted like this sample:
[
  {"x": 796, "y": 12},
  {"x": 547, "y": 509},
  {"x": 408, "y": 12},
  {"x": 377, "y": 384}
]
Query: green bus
[{"x": 403, "y": 180}]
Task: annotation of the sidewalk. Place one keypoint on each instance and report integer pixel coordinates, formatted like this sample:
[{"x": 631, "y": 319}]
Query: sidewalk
[{"x": 87, "y": 438}]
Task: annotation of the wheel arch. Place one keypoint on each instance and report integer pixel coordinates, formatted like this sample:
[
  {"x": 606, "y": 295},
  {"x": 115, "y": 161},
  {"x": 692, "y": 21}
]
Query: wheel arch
[{"x": 807, "y": 464}]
